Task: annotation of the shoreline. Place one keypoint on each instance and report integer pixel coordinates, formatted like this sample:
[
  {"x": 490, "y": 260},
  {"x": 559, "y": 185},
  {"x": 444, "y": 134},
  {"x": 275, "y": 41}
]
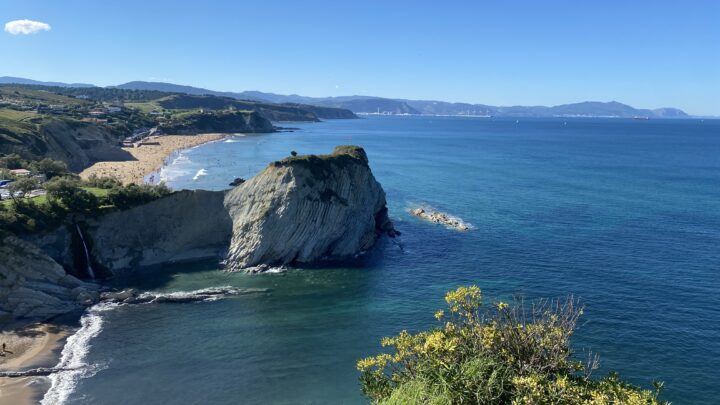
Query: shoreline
[
  {"x": 31, "y": 346},
  {"x": 148, "y": 159}
]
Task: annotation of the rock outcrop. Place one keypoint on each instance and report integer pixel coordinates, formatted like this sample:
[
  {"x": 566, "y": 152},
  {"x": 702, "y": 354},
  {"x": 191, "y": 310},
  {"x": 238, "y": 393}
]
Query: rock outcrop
[
  {"x": 34, "y": 286},
  {"x": 440, "y": 218},
  {"x": 305, "y": 209}
]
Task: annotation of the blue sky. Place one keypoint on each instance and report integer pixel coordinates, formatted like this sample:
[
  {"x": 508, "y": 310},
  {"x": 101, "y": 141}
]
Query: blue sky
[{"x": 645, "y": 53}]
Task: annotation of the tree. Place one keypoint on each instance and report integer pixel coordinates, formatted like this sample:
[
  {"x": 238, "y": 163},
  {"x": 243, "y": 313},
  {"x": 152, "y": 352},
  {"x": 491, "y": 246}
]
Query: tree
[
  {"x": 67, "y": 190},
  {"x": 50, "y": 168},
  {"x": 23, "y": 185},
  {"x": 62, "y": 188},
  {"x": 293, "y": 153},
  {"x": 510, "y": 354},
  {"x": 12, "y": 161}
]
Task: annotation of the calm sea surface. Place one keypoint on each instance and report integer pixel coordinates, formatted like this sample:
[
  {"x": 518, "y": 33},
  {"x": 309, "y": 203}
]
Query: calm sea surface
[{"x": 623, "y": 214}]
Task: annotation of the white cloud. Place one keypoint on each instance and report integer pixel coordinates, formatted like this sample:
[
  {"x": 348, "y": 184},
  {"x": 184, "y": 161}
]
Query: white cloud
[{"x": 25, "y": 27}]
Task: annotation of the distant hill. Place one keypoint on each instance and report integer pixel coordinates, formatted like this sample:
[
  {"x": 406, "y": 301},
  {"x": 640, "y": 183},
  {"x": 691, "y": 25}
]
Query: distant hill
[
  {"x": 369, "y": 104},
  {"x": 20, "y": 80}
]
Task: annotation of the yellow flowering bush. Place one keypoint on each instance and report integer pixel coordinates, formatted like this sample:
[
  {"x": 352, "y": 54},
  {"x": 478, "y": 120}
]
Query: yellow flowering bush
[{"x": 511, "y": 354}]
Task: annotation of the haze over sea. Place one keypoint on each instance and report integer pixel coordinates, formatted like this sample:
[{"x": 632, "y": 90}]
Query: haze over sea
[{"x": 624, "y": 214}]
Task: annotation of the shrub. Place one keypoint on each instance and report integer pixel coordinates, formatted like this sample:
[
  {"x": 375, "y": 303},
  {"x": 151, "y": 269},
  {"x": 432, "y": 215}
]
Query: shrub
[
  {"x": 510, "y": 354},
  {"x": 102, "y": 182},
  {"x": 238, "y": 181},
  {"x": 128, "y": 196}
]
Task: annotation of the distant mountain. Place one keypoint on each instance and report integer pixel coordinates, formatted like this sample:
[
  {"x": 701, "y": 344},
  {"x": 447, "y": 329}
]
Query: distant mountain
[
  {"x": 196, "y": 91},
  {"x": 369, "y": 104},
  {"x": 20, "y": 80}
]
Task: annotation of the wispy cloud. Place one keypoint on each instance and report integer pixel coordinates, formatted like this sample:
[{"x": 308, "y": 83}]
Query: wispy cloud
[{"x": 25, "y": 27}]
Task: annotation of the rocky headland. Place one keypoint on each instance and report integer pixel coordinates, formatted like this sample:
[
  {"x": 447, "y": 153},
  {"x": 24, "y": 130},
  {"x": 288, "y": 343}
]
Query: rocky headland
[
  {"x": 298, "y": 211},
  {"x": 307, "y": 208}
]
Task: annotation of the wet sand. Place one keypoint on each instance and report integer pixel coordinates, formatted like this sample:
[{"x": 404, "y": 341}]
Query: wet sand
[
  {"x": 33, "y": 346},
  {"x": 148, "y": 158}
]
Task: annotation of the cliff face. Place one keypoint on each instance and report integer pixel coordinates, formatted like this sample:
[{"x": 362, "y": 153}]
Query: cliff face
[
  {"x": 32, "y": 285},
  {"x": 307, "y": 208},
  {"x": 298, "y": 210},
  {"x": 186, "y": 225},
  {"x": 223, "y": 122},
  {"x": 78, "y": 144}
]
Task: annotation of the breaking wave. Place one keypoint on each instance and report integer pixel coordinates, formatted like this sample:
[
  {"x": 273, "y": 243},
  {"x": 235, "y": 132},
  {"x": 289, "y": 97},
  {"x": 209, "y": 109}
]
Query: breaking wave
[
  {"x": 72, "y": 363},
  {"x": 73, "y": 366},
  {"x": 200, "y": 173}
]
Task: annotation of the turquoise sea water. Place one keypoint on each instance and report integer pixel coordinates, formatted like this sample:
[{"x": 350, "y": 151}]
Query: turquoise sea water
[{"x": 623, "y": 214}]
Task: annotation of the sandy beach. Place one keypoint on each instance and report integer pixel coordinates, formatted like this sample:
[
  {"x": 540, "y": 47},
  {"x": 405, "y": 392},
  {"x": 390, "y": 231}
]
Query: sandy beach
[
  {"x": 36, "y": 345},
  {"x": 148, "y": 158}
]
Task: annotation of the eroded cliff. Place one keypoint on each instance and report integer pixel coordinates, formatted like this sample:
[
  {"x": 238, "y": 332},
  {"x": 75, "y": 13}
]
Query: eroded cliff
[
  {"x": 305, "y": 209},
  {"x": 33, "y": 285}
]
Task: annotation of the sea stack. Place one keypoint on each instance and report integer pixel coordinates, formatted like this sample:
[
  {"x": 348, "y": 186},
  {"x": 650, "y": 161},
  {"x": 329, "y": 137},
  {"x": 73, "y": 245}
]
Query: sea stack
[{"x": 305, "y": 209}]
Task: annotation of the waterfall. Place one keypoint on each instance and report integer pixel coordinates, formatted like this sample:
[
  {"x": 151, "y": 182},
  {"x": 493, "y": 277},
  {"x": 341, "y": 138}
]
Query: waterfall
[{"x": 89, "y": 268}]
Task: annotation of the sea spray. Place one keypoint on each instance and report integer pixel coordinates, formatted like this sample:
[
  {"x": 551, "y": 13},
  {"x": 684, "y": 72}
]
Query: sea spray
[{"x": 72, "y": 359}]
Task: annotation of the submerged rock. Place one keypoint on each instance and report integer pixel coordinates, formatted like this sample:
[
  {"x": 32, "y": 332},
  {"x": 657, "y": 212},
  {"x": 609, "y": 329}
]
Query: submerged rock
[
  {"x": 440, "y": 218},
  {"x": 304, "y": 209}
]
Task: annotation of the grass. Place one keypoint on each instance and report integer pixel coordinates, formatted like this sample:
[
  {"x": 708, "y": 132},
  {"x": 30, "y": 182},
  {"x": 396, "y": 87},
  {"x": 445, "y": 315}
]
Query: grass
[
  {"x": 145, "y": 106},
  {"x": 37, "y": 96}
]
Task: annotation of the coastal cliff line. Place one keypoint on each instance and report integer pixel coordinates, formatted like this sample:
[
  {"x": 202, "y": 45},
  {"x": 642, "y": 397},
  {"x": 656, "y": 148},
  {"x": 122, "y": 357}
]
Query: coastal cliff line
[{"x": 298, "y": 211}]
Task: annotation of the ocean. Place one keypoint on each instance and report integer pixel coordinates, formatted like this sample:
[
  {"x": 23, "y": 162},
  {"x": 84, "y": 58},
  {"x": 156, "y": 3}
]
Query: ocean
[{"x": 622, "y": 214}]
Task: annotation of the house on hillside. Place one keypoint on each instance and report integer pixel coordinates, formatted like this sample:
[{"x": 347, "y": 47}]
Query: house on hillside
[{"x": 20, "y": 172}]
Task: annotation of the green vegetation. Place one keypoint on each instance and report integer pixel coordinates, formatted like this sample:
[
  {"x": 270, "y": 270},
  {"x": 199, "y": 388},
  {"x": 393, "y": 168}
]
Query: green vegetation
[
  {"x": 508, "y": 355},
  {"x": 68, "y": 195},
  {"x": 322, "y": 165}
]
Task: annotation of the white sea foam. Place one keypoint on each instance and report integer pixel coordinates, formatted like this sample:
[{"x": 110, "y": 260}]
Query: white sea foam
[
  {"x": 200, "y": 173},
  {"x": 73, "y": 357}
]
